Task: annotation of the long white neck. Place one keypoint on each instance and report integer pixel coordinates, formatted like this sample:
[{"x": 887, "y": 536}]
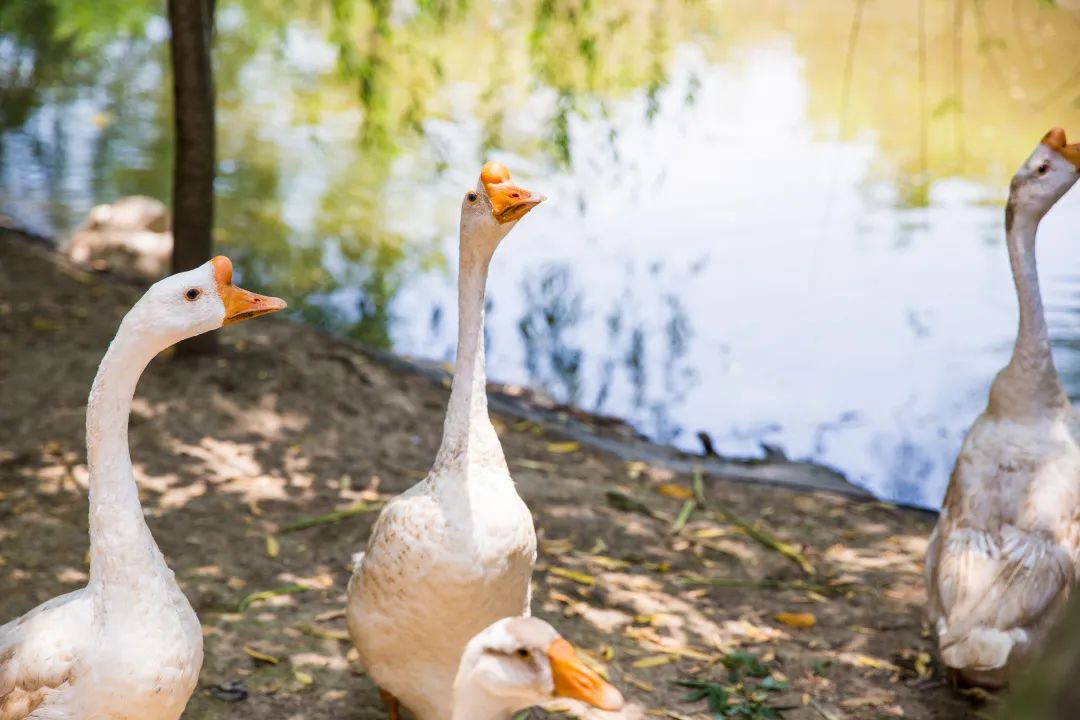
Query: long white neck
[
  {"x": 468, "y": 435},
  {"x": 122, "y": 550},
  {"x": 1029, "y": 384}
]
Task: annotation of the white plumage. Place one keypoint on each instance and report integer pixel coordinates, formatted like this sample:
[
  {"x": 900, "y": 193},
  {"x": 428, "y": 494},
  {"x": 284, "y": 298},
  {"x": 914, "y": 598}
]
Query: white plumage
[
  {"x": 128, "y": 646},
  {"x": 1004, "y": 555},
  {"x": 455, "y": 552}
]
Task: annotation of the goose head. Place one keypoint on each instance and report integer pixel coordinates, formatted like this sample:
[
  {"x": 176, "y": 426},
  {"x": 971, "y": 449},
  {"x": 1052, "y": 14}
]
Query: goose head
[
  {"x": 519, "y": 662},
  {"x": 1048, "y": 173},
  {"x": 193, "y": 302},
  {"x": 491, "y": 210}
]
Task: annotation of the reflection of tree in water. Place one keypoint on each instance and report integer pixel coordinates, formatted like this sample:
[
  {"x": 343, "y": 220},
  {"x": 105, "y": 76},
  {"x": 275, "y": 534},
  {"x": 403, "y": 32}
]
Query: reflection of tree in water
[
  {"x": 1065, "y": 336},
  {"x": 29, "y": 49},
  {"x": 678, "y": 377},
  {"x": 553, "y": 310},
  {"x": 50, "y": 52},
  {"x": 908, "y": 468}
]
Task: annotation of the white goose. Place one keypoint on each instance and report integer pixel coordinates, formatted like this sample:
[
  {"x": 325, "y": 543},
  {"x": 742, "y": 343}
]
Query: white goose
[
  {"x": 455, "y": 552},
  {"x": 1003, "y": 557},
  {"x": 128, "y": 646},
  {"x": 519, "y": 662}
]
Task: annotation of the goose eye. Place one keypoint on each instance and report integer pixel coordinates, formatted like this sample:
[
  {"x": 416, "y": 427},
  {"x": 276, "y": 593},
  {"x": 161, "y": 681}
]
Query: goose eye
[
  {"x": 1043, "y": 169},
  {"x": 472, "y": 197},
  {"x": 522, "y": 653},
  {"x": 193, "y": 293}
]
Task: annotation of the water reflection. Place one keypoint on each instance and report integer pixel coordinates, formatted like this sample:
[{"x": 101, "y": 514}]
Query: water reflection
[{"x": 777, "y": 222}]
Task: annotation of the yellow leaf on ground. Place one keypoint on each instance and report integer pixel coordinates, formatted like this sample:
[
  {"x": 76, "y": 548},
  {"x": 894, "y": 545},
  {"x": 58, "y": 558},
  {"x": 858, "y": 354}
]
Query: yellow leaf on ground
[
  {"x": 40, "y": 323},
  {"x": 867, "y": 661},
  {"x": 302, "y": 677},
  {"x": 639, "y": 684},
  {"x": 797, "y": 619},
  {"x": 606, "y": 562},
  {"x": 260, "y": 656},
  {"x": 273, "y": 547},
  {"x": 652, "y": 661},
  {"x": 562, "y": 448},
  {"x": 578, "y": 577},
  {"x": 319, "y": 632},
  {"x": 922, "y": 665},
  {"x": 675, "y": 490}
]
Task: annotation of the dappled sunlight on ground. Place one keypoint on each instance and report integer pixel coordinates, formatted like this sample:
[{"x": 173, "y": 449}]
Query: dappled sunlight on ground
[{"x": 261, "y": 485}]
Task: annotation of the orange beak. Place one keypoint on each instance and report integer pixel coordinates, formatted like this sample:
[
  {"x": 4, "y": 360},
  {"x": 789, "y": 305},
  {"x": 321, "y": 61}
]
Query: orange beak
[
  {"x": 239, "y": 303},
  {"x": 509, "y": 202},
  {"x": 574, "y": 679},
  {"x": 1055, "y": 139}
]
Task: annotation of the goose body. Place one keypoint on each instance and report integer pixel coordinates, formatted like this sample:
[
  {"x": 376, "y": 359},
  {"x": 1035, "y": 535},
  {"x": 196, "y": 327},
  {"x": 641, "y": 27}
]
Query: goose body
[
  {"x": 1004, "y": 555},
  {"x": 455, "y": 552},
  {"x": 128, "y": 646}
]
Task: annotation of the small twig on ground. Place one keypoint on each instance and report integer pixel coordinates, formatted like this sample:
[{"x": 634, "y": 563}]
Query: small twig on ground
[
  {"x": 693, "y": 580},
  {"x": 724, "y": 515},
  {"x": 361, "y": 508},
  {"x": 683, "y": 517},
  {"x": 626, "y": 503},
  {"x": 319, "y": 632},
  {"x": 820, "y": 710}
]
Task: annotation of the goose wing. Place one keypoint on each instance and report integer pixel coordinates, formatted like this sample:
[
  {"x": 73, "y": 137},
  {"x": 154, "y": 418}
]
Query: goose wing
[{"x": 38, "y": 652}]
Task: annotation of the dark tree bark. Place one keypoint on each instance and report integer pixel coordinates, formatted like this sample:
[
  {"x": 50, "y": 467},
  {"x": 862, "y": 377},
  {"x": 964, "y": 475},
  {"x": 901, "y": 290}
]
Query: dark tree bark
[{"x": 192, "y": 23}]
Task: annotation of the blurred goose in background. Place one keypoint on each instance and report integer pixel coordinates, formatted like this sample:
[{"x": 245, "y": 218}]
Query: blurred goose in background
[
  {"x": 455, "y": 552},
  {"x": 128, "y": 646},
  {"x": 519, "y": 662},
  {"x": 129, "y": 236},
  {"x": 1003, "y": 557}
]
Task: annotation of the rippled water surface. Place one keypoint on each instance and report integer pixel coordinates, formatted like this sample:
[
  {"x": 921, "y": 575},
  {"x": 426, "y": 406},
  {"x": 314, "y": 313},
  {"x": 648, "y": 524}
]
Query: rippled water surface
[{"x": 773, "y": 222}]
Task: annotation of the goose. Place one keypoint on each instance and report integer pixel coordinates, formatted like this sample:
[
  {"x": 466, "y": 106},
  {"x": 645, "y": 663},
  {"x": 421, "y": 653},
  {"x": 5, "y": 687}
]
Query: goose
[
  {"x": 454, "y": 552},
  {"x": 1003, "y": 556},
  {"x": 518, "y": 662},
  {"x": 128, "y": 646}
]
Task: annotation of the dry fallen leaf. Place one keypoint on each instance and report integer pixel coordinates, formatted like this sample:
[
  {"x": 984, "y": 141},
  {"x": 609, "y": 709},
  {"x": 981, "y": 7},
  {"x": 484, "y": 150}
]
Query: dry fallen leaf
[
  {"x": 578, "y": 577},
  {"x": 922, "y": 665},
  {"x": 303, "y": 678},
  {"x": 675, "y": 490},
  {"x": 606, "y": 562},
  {"x": 652, "y": 661},
  {"x": 260, "y": 656},
  {"x": 562, "y": 448},
  {"x": 867, "y": 661},
  {"x": 273, "y": 547},
  {"x": 872, "y": 699},
  {"x": 797, "y": 619}
]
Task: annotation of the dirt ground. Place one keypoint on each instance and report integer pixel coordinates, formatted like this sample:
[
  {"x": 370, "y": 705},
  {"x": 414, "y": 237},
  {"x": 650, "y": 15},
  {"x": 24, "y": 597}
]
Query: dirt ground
[{"x": 289, "y": 424}]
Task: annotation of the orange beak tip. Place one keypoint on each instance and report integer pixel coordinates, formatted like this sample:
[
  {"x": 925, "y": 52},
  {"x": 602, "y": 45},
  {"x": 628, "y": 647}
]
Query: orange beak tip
[{"x": 243, "y": 305}]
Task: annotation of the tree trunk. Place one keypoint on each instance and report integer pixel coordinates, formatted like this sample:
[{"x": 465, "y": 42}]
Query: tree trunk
[{"x": 192, "y": 24}]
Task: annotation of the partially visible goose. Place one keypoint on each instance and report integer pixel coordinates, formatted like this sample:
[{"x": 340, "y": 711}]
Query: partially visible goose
[
  {"x": 1003, "y": 557},
  {"x": 127, "y": 646},
  {"x": 519, "y": 662},
  {"x": 455, "y": 552}
]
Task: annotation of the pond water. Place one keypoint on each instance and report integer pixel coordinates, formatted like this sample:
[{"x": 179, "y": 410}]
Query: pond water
[{"x": 774, "y": 222}]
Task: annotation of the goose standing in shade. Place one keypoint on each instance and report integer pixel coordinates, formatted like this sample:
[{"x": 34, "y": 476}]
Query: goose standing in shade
[
  {"x": 455, "y": 552},
  {"x": 519, "y": 662},
  {"x": 128, "y": 646},
  {"x": 1003, "y": 557}
]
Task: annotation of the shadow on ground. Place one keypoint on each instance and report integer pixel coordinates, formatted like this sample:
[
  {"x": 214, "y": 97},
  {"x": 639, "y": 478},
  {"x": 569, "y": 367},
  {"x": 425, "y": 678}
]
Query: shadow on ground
[{"x": 289, "y": 424}]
